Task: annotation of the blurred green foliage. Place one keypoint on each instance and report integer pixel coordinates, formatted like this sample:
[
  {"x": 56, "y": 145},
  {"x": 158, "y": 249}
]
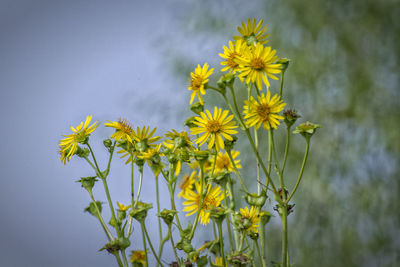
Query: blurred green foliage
[{"x": 344, "y": 75}]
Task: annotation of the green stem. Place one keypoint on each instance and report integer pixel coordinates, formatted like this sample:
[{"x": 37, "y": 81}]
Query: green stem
[
  {"x": 159, "y": 219},
  {"x": 98, "y": 172},
  {"x": 301, "y": 171},
  {"x": 124, "y": 257},
  {"x": 269, "y": 181},
  {"x": 227, "y": 219},
  {"x": 262, "y": 242},
  {"x": 281, "y": 181},
  {"x": 120, "y": 264},
  {"x": 228, "y": 151},
  {"x": 144, "y": 244},
  {"x": 150, "y": 244},
  {"x": 282, "y": 76},
  {"x": 269, "y": 150},
  {"x": 172, "y": 193},
  {"x": 286, "y": 149},
  {"x": 111, "y": 205},
  {"x": 221, "y": 242},
  {"x": 260, "y": 258},
  {"x": 284, "y": 235},
  {"x": 173, "y": 244},
  {"x": 258, "y": 163},
  {"x": 108, "y": 233},
  {"x": 196, "y": 221},
  {"x": 132, "y": 184},
  {"x": 140, "y": 186},
  {"x": 232, "y": 197},
  {"x": 214, "y": 230}
]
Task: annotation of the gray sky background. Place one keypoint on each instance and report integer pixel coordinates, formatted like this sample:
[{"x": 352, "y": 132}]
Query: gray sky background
[{"x": 61, "y": 61}]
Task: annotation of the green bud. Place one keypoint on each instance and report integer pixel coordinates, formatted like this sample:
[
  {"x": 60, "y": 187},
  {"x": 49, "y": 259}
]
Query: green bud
[
  {"x": 291, "y": 116},
  {"x": 229, "y": 144},
  {"x": 189, "y": 122},
  {"x": 141, "y": 146},
  {"x": 168, "y": 216},
  {"x": 121, "y": 215},
  {"x": 124, "y": 242},
  {"x": 284, "y": 63},
  {"x": 238, "y": 259},
  {"x": 107, "y": 143},
  {"x": 197, "y": 108},
  {"x": 253, "y": 235},
  {"x": 186, "y": 232},
  {"x": 222, "y": 178},
  {"x": 265, "y": 216},
  {"x": 254, "y": 199},
  {"x": 306, "y": 129},
  {"x": 140, "y": 212},
  {"x": 112, "y": 247},
  {"x": 113, "y": 222},
  {"x": 183, "y": 155},
  {"x": 87, "y": 182},
  {"x": 218, "y": 214},
  {"x": 201, "y": 155},
  {"x": 92, "y": 208},
  {"x": 202, "y": 261},
  {"x": 82, "y": 152}
]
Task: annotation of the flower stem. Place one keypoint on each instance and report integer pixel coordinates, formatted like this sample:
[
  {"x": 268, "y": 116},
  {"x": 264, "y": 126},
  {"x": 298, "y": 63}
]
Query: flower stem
[
  {"x": 301, "y": 171},
  {"x": 228, "y": 151},
  {"x": 221, "y": 242},
  {"x": 159, "y": 219},
  {"x": 202, "y": 181},
  {"x": 124, "y": 257},
  {"x": 172, "y": 193},
  {"x": 144, "y": 244},
  {"x": 280, "y": 90},
  {"x": 150, "y": 244},
  {"x": 173, "y": 244},
  {"x": 108, "y": 233},
  {"x": 286, "y": 149},
  {"x": 140, "y": 186},
  {"x": 284, "y": 235}
]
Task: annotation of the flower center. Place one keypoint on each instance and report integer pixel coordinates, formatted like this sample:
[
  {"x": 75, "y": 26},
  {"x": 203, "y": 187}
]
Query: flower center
[
  {"x": 124, "y": 126},
  {"x": 197, "y": 82},
  {"x": 231, "y": 61},
  {"x": 257, "y": 64},
  {"x": 263, "y": 111},
  {"x": 213, "y": 126},
  {"x": 223, "y": 162}
]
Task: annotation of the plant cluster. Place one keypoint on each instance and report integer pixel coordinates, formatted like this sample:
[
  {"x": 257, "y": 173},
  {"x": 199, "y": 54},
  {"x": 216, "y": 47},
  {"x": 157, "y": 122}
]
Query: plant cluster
[{"x": 207, "y": 150}]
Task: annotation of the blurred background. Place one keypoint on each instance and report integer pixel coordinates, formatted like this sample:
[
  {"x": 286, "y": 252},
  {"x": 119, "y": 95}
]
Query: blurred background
[{"x": 63, "y": 60}]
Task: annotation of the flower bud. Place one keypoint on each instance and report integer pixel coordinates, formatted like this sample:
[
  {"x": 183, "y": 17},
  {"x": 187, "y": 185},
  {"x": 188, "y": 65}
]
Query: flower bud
[
  {"x": 168, "y": 216},
  {"x": 306, "y": 129},
  {"x": 291, "y": 116},
  {"x": 254, "y": 199},
  {"x": 229, "y": 144},
  {"x": 218, "y": 214},
  {"x": 265, "y": 216},
  {"x": 284, "y": 63},
  {"x": 92, "y": 208},
  {"x": 107, "y": 143},
  {"x": 88, "y": 182},
  {"x": 197, "y": 108},
  {"x": 238, "y": 259},
  {"x": 140, "y": 212},
  {"x": 201, "y": 155},
  {"x": 189, "y": 122},
  {"x": 121, "y": 214},
  {"x": 82, "y": 152}
]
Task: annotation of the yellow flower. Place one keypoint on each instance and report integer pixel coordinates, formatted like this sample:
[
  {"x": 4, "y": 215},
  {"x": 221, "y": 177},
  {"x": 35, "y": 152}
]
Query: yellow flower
[
  {"x": 264, "y": 111},
  {"x": 122, "y": 207},
  {"x": 178, "y": 140},
  {"x": 214, "y": 128},
  {"x": 186, "y": 184},
  {"x": 198, "y": 80},
  {"x": 123, "y": 129},
  {"x": 250, "y": 217},
  {"x": 258, "y": 64},
  {"x": 252, "y": 33},
  {"x": 152, "y": 157},
  {"x": 231, "y": 54},
  {"x": 144, "y": 139},
  {"x": 81, "y": 133},
  {"x": 212, "y": 198},
  {"x": 224, "y": 163},
  {"x": 138, "y": 256}
]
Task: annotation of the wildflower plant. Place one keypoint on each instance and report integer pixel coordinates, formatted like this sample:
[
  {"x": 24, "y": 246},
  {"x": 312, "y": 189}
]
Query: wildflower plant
[{"x": 206, "y": 148}]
